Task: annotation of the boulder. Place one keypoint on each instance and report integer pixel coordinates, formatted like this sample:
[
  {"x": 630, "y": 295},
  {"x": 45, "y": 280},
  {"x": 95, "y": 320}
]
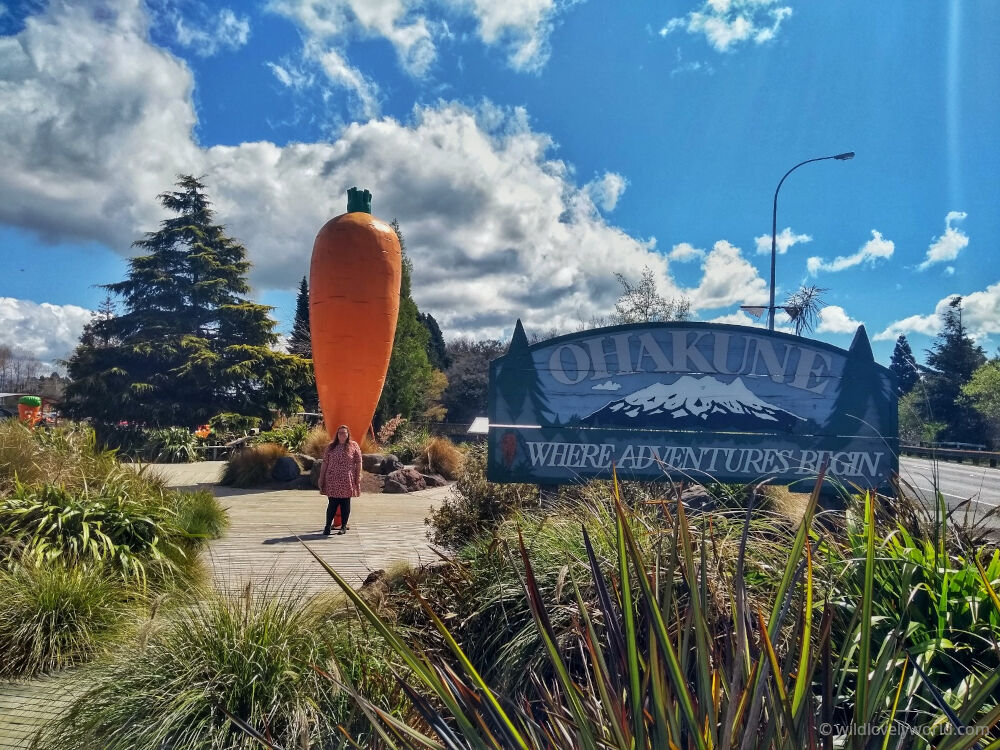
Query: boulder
[
  {"x": 404, "y": 480},
  {"x": 315, "y": 472},
  {"x": 389, "y": 464},
  {"x": 696, "y": 498},
  {"x": 285, "y": 470},
  {"x": 380, "y": 463},
  {"x": 305, "y": 461},
  {"x": 371, "y": 462},
  {"x": 434, "y": 480}
]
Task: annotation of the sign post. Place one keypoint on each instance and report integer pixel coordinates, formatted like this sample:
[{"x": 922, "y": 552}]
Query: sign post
[{"x": 692, "y": 402}]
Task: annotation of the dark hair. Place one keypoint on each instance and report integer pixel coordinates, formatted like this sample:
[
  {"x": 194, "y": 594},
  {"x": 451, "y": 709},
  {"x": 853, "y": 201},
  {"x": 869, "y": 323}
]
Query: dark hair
[{"x": 336, "y": 436}]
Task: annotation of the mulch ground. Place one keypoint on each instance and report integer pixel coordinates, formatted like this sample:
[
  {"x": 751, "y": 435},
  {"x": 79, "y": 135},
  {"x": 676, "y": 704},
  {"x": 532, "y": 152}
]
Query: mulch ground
[{"x": 371, "y": 482}]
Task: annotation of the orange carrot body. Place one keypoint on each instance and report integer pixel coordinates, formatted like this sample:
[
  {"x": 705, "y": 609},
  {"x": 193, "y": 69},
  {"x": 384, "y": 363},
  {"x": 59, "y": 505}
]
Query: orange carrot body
[{"x": 354, "y": 282}]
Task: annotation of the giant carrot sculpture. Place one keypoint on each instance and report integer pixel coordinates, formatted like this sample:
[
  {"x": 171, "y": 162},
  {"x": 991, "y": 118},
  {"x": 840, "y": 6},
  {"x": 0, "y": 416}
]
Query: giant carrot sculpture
[{"x": 353, "y": 303}]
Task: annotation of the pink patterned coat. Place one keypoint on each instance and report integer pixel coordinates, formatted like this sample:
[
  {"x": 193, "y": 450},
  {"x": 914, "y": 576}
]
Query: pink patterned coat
[{"x": 341, "y": 475}]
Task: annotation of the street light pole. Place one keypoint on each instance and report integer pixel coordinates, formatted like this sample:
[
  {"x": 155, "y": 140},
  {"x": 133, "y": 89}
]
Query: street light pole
[{"x": 774, "y": 226}]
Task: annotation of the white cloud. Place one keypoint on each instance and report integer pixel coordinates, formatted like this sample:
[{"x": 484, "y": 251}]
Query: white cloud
[
  {"x": 729, "y": 23},
  {"x": 207, "y": 36},
  {"x": 342, "y": 74},
  {"x": 606, "y": 191},
  {"x": 782, "y": 241},
  {"x": 980, "y": 316},
  {"x": 948, "y": 245},
  {"x": 329, "y": 25},
  {"x": 521, "y": 27},
  {"x": 875, "y": 249},
  {"x": 47, "y": 331},
  {"x": 834, "y": 319},
  {"x": 95, "y": 121},
  {"x": 728, "y": 279},
  {"x": 684, "y": 252}
]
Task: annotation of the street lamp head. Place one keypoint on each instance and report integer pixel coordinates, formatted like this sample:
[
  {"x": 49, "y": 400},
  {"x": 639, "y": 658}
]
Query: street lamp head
[{"x": 845, "y": 157}]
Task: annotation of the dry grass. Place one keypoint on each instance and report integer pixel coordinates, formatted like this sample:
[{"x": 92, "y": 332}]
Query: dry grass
[
  {"x": 440, "y": 456},
  {"x": 369, "y": 446},
  {"x": 787, "y": 505},
  {"x": 316, "y": 442},
  {"x": 252, "y": 466}
]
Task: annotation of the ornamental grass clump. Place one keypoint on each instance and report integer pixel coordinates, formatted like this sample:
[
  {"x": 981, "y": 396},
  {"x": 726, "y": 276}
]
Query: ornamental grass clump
[
  {"x": 440, "y": 456},
  {"x": 86, "y": 528},
  {"x": 171, "y": 445},
  {"x": 262, "y": 657},
  {"x": 316, "y": 441},
  {"x": 251, "y": 466},
  {"x": 56, "y": 615}
]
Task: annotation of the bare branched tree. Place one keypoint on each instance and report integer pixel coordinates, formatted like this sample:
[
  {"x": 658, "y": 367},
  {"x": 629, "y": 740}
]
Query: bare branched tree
[{"x": 640, "y": 302}]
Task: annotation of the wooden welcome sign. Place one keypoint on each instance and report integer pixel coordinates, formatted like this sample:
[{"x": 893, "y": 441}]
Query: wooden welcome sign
[{"x": 692, "y": 402}]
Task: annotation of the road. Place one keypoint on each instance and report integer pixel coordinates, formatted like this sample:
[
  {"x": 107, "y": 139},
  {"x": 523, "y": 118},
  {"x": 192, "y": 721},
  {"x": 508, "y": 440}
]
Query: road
[{"x": 957, "y": 482}]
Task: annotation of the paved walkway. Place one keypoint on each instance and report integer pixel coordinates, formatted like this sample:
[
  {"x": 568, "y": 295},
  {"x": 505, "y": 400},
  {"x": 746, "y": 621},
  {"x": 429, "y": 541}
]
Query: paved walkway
[{"x": 264, "y": 543}]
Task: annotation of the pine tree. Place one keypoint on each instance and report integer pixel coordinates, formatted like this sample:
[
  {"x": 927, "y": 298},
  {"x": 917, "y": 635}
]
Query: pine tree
[
  {"x": 409, "y": 373},
  {"x": 952, "y": 360},
  {"x": 188, "y": 344},
  {"x": 437, "y": 351},
  {"x": 300, "y": 342},
  {"x": 903, "y": 366}
]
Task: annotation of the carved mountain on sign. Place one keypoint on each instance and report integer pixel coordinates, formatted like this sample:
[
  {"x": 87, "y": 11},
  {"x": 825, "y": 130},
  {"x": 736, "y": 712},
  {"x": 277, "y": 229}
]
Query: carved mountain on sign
[{"x": 694, "y": 402}]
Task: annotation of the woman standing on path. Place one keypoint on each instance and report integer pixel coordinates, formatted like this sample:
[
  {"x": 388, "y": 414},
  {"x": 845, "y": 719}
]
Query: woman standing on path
[{"x": 340, "y": 479}]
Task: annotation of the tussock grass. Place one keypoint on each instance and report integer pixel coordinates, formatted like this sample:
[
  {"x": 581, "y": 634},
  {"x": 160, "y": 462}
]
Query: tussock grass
[
  {"x": 54, "y": 616},
  {"x": 316, "y": 441},
  {"x": 200, "y": 515},
  {"x": 86, "y": 545},
  {"x": 251, "y": 466},
  {"x": 258, "y": 656},
  {"x": 368, "y": 445},
  {"x": 440, "y": 456}
]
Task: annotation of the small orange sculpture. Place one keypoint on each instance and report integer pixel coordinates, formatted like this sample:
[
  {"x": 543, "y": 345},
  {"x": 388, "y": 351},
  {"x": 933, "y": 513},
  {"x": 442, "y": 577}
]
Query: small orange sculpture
[
  {"x": 353, "y": 303},
  {"x": 29, "y": 410}
]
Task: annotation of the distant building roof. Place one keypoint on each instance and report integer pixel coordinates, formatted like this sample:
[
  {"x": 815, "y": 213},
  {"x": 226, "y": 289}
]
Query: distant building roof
[{"x": 480, "y": 426}]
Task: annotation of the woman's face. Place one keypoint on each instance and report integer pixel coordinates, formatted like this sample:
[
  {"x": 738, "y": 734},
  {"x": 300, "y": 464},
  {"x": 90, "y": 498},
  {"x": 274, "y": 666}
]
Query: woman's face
[{"x": 342, "y": 434}]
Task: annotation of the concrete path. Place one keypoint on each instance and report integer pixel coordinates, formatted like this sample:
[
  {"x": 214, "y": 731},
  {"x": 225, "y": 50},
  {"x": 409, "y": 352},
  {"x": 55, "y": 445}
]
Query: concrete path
[{"x": 263, "y": 544}]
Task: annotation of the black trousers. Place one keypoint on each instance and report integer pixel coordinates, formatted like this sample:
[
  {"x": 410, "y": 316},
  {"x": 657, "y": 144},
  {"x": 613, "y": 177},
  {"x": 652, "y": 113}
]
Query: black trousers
[{"x": 344, "y": 503}]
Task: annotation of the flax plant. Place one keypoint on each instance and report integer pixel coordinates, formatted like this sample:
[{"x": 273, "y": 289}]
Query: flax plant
[{"x": 659, "y": 674}]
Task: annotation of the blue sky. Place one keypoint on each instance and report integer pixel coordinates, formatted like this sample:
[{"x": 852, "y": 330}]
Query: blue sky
[{"x": 529, "y": 149}]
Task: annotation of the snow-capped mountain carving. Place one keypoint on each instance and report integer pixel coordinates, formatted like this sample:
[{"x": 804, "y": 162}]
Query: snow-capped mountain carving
[{"x": 694, "y": 402}]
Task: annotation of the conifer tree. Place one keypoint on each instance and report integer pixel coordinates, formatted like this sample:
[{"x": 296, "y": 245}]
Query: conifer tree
[
  {"x": 437, "y": 351},
  {"x": 300, "y": 342},
  {"x": 903, "y": 366},
  {"x": 409, "y": 373},
  {"x": 188, "y": 344},
  {"x": 952, "y": 360}
]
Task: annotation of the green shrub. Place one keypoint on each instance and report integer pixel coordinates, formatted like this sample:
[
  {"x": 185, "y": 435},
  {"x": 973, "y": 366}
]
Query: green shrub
[
  {"x": 87, "y": 527},
  {"x": 252, "y": 654},
  {"x": 290, "y": 437},
  {"x": 127, "y": 440},
  {"x": 171, "y": 445},
  {"x": 476, "y": 505},
  {"x": 228, "y": 425},
  {"x": 408, "y": 442},
  {"x": 55, "y": 615},
  {"x": 252, "y": 466}
]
